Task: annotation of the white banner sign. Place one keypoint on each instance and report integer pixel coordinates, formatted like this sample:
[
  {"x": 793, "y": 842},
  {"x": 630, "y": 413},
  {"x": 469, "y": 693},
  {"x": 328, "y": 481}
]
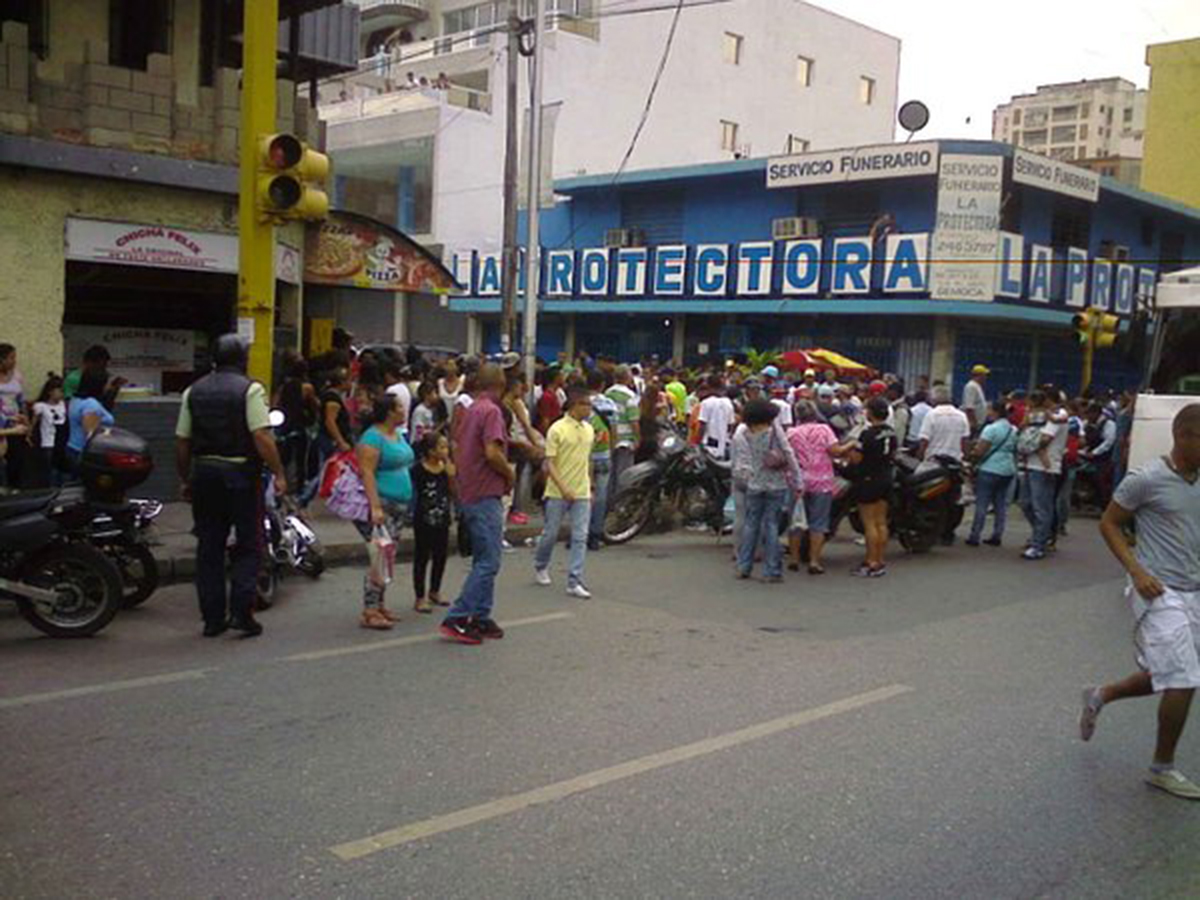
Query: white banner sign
[
  {"x": 139, "y": 354},
  {"x": 1055, "y": 175},
  {"x": 157, "y": 246},
  {"x": 966, "y": 237},
  {"x": 853, "y": 164}
]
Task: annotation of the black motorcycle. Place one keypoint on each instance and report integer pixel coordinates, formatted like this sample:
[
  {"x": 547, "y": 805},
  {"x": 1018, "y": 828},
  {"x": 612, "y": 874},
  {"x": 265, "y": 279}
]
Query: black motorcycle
[
  {"x": 63, "y": 586},
  {"x": 922, "y": 508},
  {"x": 122, "y": 531},
  {"x": 680, "y": 475}
]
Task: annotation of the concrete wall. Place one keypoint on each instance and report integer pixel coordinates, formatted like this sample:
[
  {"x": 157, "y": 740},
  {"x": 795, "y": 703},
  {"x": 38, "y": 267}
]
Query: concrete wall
[
  {"x": 1173, "y": 121},
  {"x": 32, "y": 262}
]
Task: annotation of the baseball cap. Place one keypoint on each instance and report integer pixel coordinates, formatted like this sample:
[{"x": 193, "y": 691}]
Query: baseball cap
[
  {"x": 876, "y": 387},
  {"x": 808, "y": 372},
  {"x": 980, "y": 369},
  {"x": 825, "y": 390},
  {"x": 770, "y": 372},
  {"x": 508, "y": 360}
]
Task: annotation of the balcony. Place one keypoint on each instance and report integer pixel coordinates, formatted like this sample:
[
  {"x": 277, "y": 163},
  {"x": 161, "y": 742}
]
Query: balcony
[
  {"x": 406, "y": 101},
  {"x": 392, "y": 13}
]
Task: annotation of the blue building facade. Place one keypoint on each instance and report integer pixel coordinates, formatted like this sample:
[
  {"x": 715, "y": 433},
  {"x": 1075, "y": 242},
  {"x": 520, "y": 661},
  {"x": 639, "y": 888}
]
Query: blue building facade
[{"x": 920, "y": 259}]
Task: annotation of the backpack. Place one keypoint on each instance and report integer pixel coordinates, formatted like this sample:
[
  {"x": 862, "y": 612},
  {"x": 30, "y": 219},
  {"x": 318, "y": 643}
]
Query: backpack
[{"x": 1029, "y": 441}]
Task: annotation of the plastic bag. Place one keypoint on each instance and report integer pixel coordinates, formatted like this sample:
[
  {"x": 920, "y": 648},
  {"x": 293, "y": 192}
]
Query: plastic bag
[
  {"x": 334, "y": 467},
  {"x": 382, "y": 552},
  {"x": 348, "y": 499},
  {"x": 799, "y": 517}
]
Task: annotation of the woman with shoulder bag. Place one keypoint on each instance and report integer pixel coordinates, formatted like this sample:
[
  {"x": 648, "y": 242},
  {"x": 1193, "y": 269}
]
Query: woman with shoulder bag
[
  {"x": 995, "y": 457},
  {"x": 384, "y": 461},
  {"x": 763, "y": 454}
]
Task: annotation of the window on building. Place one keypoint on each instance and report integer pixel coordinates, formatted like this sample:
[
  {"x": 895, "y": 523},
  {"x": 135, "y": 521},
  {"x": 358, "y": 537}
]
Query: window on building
[
  {"x": 1035, "y": 118},
  {"x": 1070, "y": 223},
  {"x": 220, "y": 46},
  {"x": 1108, "y": 116},
  {"x": 729, "y": 136},
  {"x": 866, "y": 90},
  {"x": 804, "y": 71},
  {"x": 1016, "y": 117},
  {"x": 1081, "y": 153},
  {"x": 796, "y": 144},
  {"x": 1083, "y": 131},
  {"x": 1062, "y": 134},
  {"x": 34, "y": 15},
  {"x": 1062, "y": 152},
  {"x": 1127, "y": 116},
  {"x": 1035, "y": 137},
  {"x": 137, "y": 28},
  {"x": 1064, "y": 113},
  {"x": 1016, "y": 138},
  {"x": 1085, "y": 110},
  {"x": 732, "y": 48}
]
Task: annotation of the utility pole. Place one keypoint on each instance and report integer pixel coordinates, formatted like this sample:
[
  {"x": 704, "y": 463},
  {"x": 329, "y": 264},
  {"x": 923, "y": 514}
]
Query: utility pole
[
  {"x": 256, "y": 236},
  {"x": 532, "y": 248},
  {"x": 508, "y": 311}
]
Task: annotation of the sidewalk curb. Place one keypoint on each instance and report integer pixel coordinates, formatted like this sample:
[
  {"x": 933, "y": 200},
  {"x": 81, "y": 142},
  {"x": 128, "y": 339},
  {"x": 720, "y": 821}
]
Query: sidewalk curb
[{"x": 182, "y": 568}]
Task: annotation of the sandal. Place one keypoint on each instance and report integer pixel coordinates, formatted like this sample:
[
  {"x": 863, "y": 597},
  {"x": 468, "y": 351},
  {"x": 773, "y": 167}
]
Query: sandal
[
  {"x": 422, "y": 606},
  {"x": 374, "y": 619},
  {"x": 436, "y": 600},
  {"x": 388, "y": 614},
  {"x": 816, "y": 570}
]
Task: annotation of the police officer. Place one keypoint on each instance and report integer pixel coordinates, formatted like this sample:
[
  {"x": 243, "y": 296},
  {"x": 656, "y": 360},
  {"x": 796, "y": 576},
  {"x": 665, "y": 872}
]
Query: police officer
[{"x": 223, "y": 438}]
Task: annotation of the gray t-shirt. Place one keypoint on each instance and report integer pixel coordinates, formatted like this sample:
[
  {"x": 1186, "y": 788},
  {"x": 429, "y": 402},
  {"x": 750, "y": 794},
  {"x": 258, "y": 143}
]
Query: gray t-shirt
[{"x": 1167, "y": 511}]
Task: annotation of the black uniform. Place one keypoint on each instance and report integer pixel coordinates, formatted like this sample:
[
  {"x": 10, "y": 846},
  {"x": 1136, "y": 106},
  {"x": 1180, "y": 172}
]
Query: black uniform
[{"x": 226, "y": 493}]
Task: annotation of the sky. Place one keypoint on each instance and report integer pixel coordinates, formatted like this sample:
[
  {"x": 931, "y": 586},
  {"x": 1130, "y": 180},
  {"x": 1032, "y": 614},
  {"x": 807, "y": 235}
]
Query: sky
[{"x": 965, "y": 57}]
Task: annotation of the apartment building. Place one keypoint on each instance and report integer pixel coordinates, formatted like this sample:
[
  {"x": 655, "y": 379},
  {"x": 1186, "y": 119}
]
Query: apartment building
[
  {"x": 1098, "y": 124},
  {"x": 417, "y": 134}
]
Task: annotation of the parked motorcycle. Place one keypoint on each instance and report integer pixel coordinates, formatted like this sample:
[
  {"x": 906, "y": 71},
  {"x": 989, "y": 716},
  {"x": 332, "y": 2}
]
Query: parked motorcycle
[
  {"x": 62, "y": 585},
  {"x": 685, "y": 477},
  {"x": 123, "y": 533},
  {"x": 921, "y": 508}
]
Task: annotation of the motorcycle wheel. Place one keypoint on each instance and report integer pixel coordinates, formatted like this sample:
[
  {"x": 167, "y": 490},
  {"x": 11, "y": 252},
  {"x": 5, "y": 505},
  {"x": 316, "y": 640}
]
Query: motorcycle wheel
[
  {"x": 628, "y": 516},
  {"x": 139, "y": 573},
  {"x": 929, "y": 524},
  {"x": 88, "y": 585},
  {"x": 312, "y": 563},
  {"x": 268, "y": 581}
]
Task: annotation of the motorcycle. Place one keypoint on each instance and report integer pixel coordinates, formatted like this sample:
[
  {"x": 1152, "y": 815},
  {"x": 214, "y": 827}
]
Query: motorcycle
[
  {"x": 921, "y": 508},
  {"x": 685, "y": 477},
  {"x": 122, "y": 532},
  {"x": 289, "y": 540},
  {"x": 63, "y": 586}
]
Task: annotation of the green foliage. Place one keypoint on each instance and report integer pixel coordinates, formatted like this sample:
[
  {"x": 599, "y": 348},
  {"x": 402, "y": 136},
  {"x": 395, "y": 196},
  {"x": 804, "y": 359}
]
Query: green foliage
[{"x": 757, "y": 360}]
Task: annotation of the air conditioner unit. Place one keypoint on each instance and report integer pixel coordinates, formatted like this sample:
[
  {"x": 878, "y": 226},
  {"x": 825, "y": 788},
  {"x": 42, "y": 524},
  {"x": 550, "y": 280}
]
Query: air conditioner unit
[
  {"x": 1114, "y": 251},
  {"x": 624, "y": 237},
  {"x": 795, "y": 227}
]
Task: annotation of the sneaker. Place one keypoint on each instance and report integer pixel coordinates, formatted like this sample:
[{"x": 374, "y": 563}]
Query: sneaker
[
  {"x": 518, "y": 518},
  {"x": 1091, "y": 711},
  {"x": 1033, "y": 553},
  {"x": 877, "y": 573},
  {"x": 860, "y": 542},
  {"x": 863, "y": 571},
  {"x": 971, "y": 542},
  {"x": 506, "y": 546},
  {"x": 1173, "y": 782},
  {"x": 772, "y": 579},
  {"x": 993, "y": 542},
  {"x": 542, "y": 577},
  {"x": 462, "y": 631},
  {"x": 488, "y": 629},
  {"x": 248, "y": 626},
  {"x": 579, "y": 591},
  {"x": 215, "y": 629},
  {"x": 595, "y": 545},
  {"x": 741, "y": 576}
]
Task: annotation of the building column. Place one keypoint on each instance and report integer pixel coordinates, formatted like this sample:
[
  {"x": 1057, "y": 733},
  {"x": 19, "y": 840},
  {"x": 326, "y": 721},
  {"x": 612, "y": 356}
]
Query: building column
[
  {"x": 474, "y": 335},
  {"x": 569, "y": 337},
  {"x": 400, "y": 318},
  {"x": 679, "y": 339},
  {"x": 1035, "y": 354},
  {"x": 941, "y": 364}
]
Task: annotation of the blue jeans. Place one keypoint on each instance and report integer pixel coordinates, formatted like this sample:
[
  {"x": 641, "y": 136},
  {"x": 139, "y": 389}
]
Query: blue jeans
[
  {"x": 991, "y": 491},
  {"x": 485, "y": 522},
  {"x": 1062, "y": 503},
  {"x": 601, "y": 472},
  {"x": 1041, "y": 493},
  {"x": 580, "y": 512},
  {"x": 762, "y": 526}
]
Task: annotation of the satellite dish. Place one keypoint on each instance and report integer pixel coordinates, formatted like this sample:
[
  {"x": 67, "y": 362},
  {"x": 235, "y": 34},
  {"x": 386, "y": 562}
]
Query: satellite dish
[{"x": 914, "y": 115}]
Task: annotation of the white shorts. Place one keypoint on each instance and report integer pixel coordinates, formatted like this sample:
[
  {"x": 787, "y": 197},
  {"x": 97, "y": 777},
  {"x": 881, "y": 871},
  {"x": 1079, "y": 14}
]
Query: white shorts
[{"x": 1168, "y": 637}]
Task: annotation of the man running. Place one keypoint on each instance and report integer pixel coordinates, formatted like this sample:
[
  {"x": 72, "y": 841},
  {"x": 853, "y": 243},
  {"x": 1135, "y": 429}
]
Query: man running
[{"x": 1162, "y": 500}]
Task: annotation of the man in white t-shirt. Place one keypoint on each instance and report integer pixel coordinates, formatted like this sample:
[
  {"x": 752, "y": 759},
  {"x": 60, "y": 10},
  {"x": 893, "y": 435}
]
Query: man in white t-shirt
[
  {"x": 399, "y": 388},
  {"x": 716, "y": 416},
  {"x": 974, "y": 401},
  {"x": 945, "y": 431},
  {"x": 1043, "y": 469}
]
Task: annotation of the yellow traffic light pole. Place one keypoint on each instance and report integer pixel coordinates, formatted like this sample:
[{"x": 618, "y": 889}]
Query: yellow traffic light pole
[
  {"x": 1094, "y": 328},
  {"x": 256, "y": 236}
]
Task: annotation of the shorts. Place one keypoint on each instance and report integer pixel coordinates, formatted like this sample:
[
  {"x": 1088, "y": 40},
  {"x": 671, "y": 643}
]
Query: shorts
[
  {"x": 872, "y": 490},
  {"x": 819, "y": 507},
  {"x": 1168, "y": 637}
]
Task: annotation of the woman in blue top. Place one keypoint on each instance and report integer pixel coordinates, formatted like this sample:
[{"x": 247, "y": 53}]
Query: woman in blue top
[
  {"x": 995, "y": 456},
  {"x": 384, "y": 459},
  {"x": 85, "y": 414}
]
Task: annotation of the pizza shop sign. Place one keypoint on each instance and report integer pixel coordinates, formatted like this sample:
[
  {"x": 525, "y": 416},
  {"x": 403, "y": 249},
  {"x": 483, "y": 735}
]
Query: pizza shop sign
[{"x": 352, "y": 253}]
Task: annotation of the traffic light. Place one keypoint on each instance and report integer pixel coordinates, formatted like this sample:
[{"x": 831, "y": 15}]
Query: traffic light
[
  {"x": 1106, "y": 328},
  {"x": 291, "y": 179},
  {"x": 1082, "y": 323}
]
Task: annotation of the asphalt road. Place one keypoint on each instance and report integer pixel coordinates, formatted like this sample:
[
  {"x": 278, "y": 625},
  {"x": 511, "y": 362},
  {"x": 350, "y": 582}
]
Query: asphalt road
[{"x": 681, "y": 735}]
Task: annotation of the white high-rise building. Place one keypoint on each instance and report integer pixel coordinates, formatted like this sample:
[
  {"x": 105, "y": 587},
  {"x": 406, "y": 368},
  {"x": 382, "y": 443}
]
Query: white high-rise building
[
  {"x": 1078, "y": 120},
  {"x": 417, "y": 135}
]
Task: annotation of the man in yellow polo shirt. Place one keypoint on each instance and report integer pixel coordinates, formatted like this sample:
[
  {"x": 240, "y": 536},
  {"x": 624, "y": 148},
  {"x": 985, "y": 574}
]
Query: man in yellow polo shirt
[{"x": 568, "y": 490}]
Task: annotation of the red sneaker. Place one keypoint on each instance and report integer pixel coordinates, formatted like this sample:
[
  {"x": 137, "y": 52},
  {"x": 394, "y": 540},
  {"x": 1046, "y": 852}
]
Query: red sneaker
[
  {"x": 461, "y": 631},
  {"x": 518, "y": 518}
]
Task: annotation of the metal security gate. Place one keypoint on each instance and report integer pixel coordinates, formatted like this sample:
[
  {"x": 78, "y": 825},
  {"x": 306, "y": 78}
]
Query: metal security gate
[{"x": 913, "y": 359}]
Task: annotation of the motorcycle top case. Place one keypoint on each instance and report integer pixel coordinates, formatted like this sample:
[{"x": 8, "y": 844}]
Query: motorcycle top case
[{"x": 114, "y": 460}]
